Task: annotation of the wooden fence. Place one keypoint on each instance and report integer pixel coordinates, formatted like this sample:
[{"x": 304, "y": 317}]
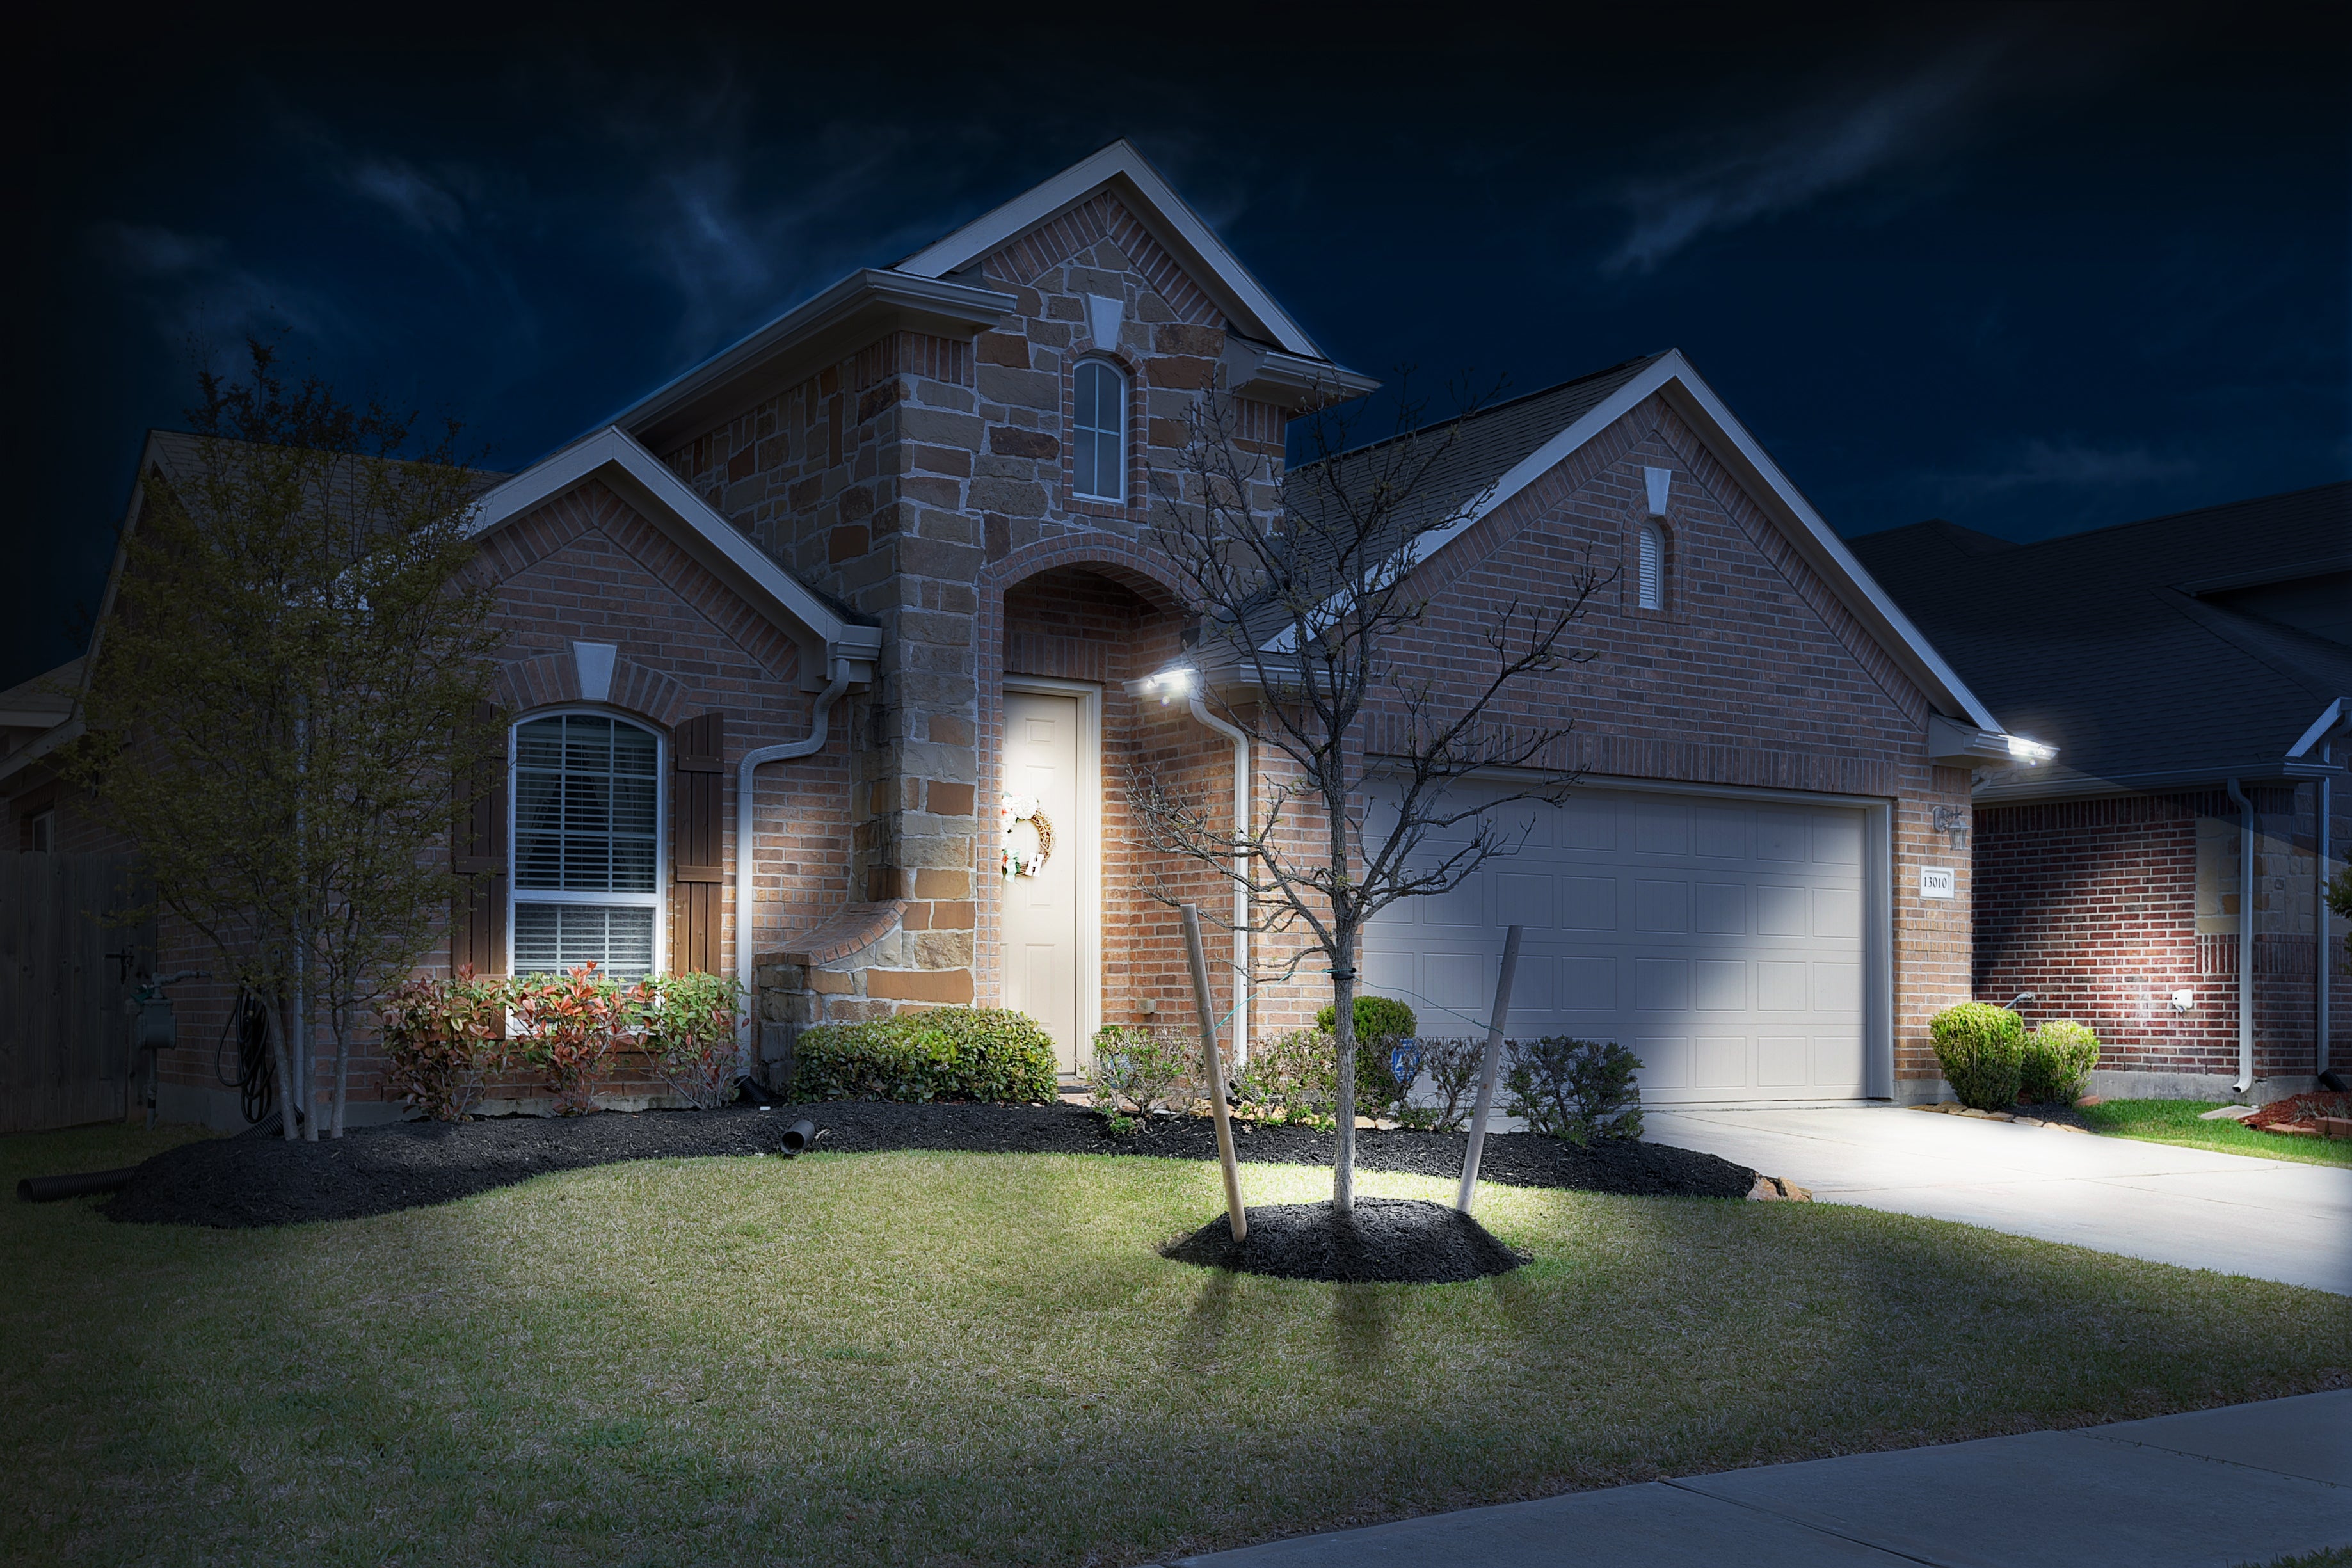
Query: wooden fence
[{"x": 64, "y": 1037}]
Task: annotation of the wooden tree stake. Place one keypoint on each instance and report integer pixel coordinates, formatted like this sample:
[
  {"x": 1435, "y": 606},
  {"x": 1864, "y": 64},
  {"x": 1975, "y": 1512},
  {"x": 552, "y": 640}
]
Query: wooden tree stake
[
  {"x": 1491, "y": 1070},
  {"x": 1236, "y": 1216}
]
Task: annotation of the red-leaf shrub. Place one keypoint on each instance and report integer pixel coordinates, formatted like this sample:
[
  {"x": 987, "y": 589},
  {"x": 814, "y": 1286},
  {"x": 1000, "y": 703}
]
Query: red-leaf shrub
[
  {"x": 570, "y": 1024},
  {"x": 441, "y": 1036}
]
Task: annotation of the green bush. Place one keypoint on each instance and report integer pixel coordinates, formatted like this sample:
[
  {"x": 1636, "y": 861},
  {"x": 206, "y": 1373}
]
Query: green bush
[
  {"x": 2059, "y": 1056},
  {"x": 1138, "y": 1066},
  {"x": 990, "y": 1054},
  {"x": 1452, "y": 1067},
  {"x": 1981, "y": 1049},
  {"x": 441, "y": 1036},
  {"x": 1382, "y": 1025},
  {"x": 1292, "y": 1078},
  {"x": 1576, "y": 1089},
  {"x": 691, "y": 1036}
]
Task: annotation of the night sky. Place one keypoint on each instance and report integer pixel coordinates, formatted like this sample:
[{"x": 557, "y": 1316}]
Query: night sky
[{"x": 2032, "y": 269}]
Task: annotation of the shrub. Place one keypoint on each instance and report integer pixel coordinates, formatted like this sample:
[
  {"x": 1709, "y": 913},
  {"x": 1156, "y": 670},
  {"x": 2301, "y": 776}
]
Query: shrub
[
  {"x": 2059, "y": 1056},
  {"x": 441, "y": 1036},
  {"x": 1138, "y": 1066},
  {"x": 1293, "y": 1079},
  {"x": 570, "y": 1026},
  {"x": 1388, "y": 1058},
  {"x": 1576, "y": 1089},
  {"x": 990, "y": 1054},
  {"x": 1452, "y": 1067},
  {"x": 690, "y": 1037},
  {"x": 1981, "y": 1048}
]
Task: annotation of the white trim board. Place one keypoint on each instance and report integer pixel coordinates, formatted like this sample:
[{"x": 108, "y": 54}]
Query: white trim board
[{"x": 614, "y": 456}]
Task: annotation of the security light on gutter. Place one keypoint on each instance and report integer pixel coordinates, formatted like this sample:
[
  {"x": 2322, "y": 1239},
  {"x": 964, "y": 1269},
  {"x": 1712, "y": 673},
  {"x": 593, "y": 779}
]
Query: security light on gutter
[{"x": 2029, "y": 752}]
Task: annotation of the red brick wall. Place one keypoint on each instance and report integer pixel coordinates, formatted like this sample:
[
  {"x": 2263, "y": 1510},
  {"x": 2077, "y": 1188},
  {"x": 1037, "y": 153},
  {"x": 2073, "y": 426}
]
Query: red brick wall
[{"x": 2092, "y": 906}]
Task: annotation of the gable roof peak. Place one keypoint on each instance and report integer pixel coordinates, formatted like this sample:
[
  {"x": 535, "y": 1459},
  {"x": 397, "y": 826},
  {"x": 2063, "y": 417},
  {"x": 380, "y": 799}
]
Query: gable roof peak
[{"x": 1121, "y": 167}]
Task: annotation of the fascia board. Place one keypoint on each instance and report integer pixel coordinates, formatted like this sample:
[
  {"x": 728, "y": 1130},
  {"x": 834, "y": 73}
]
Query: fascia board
[
  {"x": 25, "y": 756},
  {"x": 651, "y": 481},
  {"x": 817, "y": 328},
  {"x": 1173, "y": 222},
  {"x": 1293, "y": 380},
  {"x": 33, "y": 718},
  {"x": 2026, "y": 790},
  {"x": 2328, "y": 719}
]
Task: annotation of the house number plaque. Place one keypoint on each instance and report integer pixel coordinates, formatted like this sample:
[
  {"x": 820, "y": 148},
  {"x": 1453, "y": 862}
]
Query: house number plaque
[{"x": 1937, "y": 882}]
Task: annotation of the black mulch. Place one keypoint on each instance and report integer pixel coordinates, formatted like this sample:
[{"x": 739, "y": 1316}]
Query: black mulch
[
  {"x": 1400, "y": 1241},
  {"x": 256, "y": 1179},
  {"x": 2059, "y": 1110}
]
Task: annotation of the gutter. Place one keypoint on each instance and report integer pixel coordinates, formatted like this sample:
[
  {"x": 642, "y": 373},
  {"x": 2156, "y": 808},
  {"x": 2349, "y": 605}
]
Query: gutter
[
  {"x": 1240, "y": 888},
  {"x": 790, "y": 751},
  {"x": 2245, "y": 938}
]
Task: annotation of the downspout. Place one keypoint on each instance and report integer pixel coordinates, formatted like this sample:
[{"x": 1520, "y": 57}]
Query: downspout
[
  {"x": 812, "y": 743},
  {"x": 2245, "y": 938},
  {"x": 1241, "y": 867},
  {"x": 2327, "y": 807}
]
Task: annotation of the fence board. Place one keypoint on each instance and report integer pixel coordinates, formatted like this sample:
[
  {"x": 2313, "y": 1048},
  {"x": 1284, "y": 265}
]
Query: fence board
[{"x": 64, "y": 1041}]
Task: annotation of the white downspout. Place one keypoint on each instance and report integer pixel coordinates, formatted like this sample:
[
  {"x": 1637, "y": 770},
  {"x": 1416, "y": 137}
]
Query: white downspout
[
  {"x": 745, "y": 859},
  {"x": 1241, "y": 866},
  {"x": 2327, "y": 807},
  {"x": 2245, "y": 938}
]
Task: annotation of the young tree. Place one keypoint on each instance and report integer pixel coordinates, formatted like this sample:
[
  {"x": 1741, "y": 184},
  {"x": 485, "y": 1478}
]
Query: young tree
[
  {"x": 1303, "y": 589},
  {"x": 295, "y": 654}
]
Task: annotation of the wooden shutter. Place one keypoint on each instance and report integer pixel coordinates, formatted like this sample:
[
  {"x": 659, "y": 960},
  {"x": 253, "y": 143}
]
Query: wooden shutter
[
  {"x": 697, "y": 842},
  {"x": 477, "y": 913}
]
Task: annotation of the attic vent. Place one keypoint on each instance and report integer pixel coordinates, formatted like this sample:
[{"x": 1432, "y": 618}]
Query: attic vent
[{"x": 1653, "y": 574}]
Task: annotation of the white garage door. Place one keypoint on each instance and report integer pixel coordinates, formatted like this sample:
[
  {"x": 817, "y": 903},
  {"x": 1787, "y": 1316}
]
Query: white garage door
[{"x": 1721, "y": 940}]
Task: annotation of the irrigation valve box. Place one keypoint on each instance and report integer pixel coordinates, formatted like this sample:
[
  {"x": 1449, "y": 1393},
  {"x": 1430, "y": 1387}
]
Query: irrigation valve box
[{"x": 1937, "y": 882}]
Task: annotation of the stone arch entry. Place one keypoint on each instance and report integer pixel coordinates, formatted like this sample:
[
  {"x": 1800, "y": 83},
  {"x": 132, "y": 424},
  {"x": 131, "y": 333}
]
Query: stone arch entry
[{"x": 1066, "y": 626}]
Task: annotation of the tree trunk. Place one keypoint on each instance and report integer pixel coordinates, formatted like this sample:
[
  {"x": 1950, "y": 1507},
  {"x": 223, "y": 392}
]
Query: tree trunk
[
  {"x": 278, "y": 1037},
  {"x": 342, "y": 1065},
  {"x": 1343, "y": 1028},
  {"x": 302, "y": 1052}
]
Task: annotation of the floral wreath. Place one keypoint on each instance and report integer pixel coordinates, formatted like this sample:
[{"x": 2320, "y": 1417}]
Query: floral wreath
[{"x": 1017, "y": 809}]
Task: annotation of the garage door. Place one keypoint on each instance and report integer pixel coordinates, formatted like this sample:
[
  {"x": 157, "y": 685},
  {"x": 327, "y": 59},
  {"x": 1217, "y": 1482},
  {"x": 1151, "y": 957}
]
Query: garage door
[{"x": 1721, "y": 940}]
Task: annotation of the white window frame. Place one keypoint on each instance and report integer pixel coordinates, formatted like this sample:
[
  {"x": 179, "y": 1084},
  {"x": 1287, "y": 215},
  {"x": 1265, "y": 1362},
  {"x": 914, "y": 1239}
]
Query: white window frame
[
  {"x": 1118, "y": 372},
  {"x": 658, "y": 899},
  {"x": 1650, "y": 568},
  {"x": 43, "y": 829}
]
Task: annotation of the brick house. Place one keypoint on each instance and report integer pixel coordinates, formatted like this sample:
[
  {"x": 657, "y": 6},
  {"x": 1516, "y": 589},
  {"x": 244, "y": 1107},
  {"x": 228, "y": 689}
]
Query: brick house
[
  {"x": 2162, "y": 880},
  {"x": 802, "y": 619}
]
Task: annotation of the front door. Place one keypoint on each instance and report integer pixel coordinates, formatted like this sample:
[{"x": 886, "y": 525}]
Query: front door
[{"x": 1042, "y": 762}]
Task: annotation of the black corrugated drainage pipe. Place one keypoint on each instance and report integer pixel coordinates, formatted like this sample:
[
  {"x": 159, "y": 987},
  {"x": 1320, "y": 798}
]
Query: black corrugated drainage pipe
[
  {"x": 2245, "y": 938},
  {"x": 82, "y": 1185}
]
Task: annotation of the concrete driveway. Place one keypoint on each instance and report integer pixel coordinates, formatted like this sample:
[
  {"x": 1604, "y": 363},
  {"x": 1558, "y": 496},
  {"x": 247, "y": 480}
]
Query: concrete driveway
[{"x": 2273, "y": 1219}]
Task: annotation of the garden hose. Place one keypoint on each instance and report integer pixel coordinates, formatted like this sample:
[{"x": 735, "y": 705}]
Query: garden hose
[{"x": 256, "y": 1079}]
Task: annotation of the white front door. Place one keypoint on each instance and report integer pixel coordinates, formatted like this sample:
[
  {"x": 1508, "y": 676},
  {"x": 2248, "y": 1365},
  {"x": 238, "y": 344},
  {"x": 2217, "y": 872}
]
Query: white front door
[
  {"x": 1721, "y": 939},
  {"x": 1042, "y": 970}
]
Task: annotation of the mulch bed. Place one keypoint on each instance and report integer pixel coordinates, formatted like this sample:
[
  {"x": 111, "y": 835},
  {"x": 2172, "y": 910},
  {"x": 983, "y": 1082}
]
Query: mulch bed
[
  {"x": 1400, "y": 1241},
  {"x": 257, "y": 1179},
  {"x": 2301, "y": 1109}
]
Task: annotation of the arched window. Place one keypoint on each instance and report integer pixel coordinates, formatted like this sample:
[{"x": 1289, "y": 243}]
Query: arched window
[
  {"x": 1652, "y": 579},
  {"x": 587, "y": 845},
  {"x": 1099, "y": 442}
]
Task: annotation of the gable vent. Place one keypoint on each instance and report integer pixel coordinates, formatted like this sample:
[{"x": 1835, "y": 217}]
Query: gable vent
[{"x": 1652, "y": 581}]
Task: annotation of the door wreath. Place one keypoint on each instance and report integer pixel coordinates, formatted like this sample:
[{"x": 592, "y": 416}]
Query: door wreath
[{"x": 1021, "y": 858}]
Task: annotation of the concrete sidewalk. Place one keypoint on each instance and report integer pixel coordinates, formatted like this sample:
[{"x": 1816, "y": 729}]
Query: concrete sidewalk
[
  {"x": 2246, "y": 1484},
  {"x": 2272, "y": 1219}
]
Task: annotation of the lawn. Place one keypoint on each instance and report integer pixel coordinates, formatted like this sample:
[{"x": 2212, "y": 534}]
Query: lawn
[
  {"x": 968, "y": 1358},
  {"x": 2175, "y": 1121}
]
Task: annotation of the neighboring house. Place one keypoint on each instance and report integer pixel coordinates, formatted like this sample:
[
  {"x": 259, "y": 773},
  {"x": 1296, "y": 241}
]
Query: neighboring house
[
  {"x": 2194, "y": 671},
  {"x": 888, "y": 561},
  {"x": 35, "y": 717}
]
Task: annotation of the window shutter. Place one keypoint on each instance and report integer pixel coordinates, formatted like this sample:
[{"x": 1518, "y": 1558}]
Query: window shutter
[
  {"x": 477, "y": 915},
  {"x": 697, "y": 842}
]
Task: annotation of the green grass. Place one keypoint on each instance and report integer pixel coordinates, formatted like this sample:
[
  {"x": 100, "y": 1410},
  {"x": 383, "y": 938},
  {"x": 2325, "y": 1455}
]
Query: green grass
[
  {"x": 2175, "y": 1121},
  {"x": 936, "y": 1358}
]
